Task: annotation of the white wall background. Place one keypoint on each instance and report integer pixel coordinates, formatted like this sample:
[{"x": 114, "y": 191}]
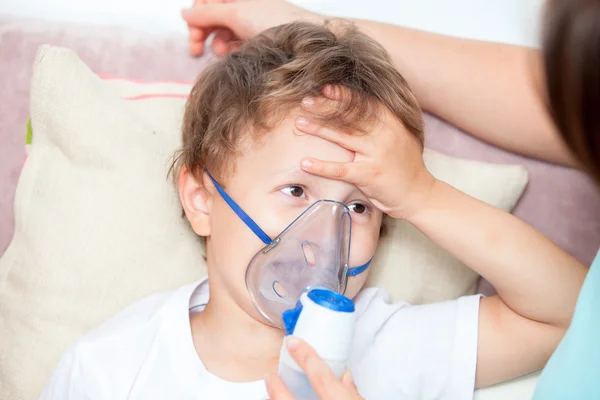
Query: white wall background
[{"x": 511, "y": 21}]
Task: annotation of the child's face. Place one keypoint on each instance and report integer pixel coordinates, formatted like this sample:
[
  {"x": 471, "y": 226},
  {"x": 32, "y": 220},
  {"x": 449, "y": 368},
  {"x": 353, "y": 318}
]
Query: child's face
[{"x": 270, "y": 187}]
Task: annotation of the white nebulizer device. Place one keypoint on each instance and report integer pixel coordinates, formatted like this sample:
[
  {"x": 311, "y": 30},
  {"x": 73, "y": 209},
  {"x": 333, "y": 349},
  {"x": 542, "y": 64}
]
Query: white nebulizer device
[{"x": 326, "y": 321}]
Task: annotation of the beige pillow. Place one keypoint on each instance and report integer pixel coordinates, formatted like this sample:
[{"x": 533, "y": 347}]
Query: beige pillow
[{"x": 98, "y": 226}]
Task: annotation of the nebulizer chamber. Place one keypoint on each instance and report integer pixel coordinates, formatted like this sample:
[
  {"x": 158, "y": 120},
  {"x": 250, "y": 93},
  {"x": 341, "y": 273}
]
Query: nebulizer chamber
[{"x": 326, "y": 321}]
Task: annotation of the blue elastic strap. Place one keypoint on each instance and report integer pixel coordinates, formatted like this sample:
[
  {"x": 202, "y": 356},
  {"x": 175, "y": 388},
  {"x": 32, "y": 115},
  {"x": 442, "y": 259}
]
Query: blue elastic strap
[
  {"x": 259, "y": 232},
  {"x": 240, "y": 213},
  {"x": 359, "y": 270}
]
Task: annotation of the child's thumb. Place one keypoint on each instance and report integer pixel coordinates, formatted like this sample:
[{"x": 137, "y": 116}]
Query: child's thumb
[{"x": 348, "y": 381}]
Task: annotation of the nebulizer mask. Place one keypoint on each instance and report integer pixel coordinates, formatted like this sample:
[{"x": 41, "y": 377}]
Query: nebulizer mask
[{"x": 312, "y": 252}]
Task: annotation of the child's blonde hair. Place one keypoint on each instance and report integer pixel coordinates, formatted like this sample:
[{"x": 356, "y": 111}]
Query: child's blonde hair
[{"x": 251, "y": 90}]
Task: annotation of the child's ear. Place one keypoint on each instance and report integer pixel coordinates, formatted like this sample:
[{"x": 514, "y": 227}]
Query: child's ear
[{"x": 196, "y": 202}]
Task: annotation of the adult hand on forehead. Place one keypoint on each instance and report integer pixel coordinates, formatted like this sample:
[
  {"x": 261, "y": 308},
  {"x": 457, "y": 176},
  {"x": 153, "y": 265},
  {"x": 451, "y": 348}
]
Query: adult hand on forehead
[
  {"x": 388, "y": 165},
  {"x": 236, "y": 20},
  {"x": 322, "y": 379}
]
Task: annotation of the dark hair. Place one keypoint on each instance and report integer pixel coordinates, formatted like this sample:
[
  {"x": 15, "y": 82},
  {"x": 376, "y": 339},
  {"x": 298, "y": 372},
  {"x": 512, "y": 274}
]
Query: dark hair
[
  {"x": 571, "y": 46},
  {"x": 251, "y": 90}
]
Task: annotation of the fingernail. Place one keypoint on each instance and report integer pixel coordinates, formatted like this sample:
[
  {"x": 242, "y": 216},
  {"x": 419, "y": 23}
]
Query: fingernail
[
  {"x": 308, "y": 101},
  {"x": 302, "y": 121},
  {"x": 347, "y": 377},
  {"x": 267, "y": 378},
  {"x": 306, "y": 164},
  {"x": 185, "y": 11},
  {"x": 292, "y": 343}
]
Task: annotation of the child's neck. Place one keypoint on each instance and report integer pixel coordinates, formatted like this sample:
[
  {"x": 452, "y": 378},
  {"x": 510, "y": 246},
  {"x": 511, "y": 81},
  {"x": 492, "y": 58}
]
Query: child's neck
[{"x": 233, "y": 345}]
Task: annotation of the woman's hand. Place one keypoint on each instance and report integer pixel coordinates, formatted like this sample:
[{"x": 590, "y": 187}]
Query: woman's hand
[
  {"x": 324, "y": 382},
  {"x": 232, "y": 21},
  {"x": 388, "y": 166}
]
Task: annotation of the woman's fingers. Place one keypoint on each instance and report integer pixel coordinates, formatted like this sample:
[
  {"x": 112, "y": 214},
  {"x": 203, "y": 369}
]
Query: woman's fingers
[
  {"x": 196, "y": 35},
  {"x": 348, "y": 380},
  {"x": 223, "y": 41},
  {"x": 277, "y": 389},
  {"x": 349, "y": 141},
  {"x": 203, "y": 17},
  {"x": 320, "y": 376},
  {"x": 322, "y": 379},
  {"x": 197, "y": 40},
  {"x": 196, "y": 47}
]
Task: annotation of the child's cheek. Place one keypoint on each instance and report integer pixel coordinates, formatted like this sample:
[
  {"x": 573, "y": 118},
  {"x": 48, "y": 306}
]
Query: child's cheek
[{"x": 355, "y": 284}]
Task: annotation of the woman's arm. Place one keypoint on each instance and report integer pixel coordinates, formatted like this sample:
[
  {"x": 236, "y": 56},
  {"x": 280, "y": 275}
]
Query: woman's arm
[
  {"x": 490, "y": 90},
  {"x": 493, "y": 91}
]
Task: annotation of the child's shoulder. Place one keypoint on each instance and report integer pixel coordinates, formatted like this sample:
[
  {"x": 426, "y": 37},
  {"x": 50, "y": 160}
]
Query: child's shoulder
[
  {"x": 128, "y": 336},
  {"x": 118, "y": 349},
  {"x": 146, "y": 313}
]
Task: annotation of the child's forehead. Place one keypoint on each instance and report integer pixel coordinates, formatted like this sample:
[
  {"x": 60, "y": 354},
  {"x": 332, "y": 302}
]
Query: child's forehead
[
  {"x": 274, "y": 159},
  {"x": 283, "y": 147}
]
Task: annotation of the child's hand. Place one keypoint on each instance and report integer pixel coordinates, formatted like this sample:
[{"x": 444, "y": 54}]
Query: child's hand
[{"x": 388, "y": 165}]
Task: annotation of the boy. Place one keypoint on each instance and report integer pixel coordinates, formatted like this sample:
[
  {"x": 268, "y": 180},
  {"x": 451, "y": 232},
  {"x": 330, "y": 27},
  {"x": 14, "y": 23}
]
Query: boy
[{"x": 242, "y": 188}]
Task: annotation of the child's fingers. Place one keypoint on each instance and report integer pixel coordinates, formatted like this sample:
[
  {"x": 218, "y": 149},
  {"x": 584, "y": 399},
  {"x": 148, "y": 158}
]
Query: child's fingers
[
  {"x": 336, "y": 92},
  {"x": 277, "y": 389},
  {"x": 355, "y": 173},
  {"x": 334, "y": 95},
  {"x": 320, "y": 105},
  {"x": 346, "y": 140},
  {"x": 328, "y": 108}
]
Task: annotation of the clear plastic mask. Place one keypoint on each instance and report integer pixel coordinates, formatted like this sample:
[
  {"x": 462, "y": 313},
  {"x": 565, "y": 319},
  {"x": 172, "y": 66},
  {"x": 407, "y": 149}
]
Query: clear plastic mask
[{"x": 312, "y": 252}]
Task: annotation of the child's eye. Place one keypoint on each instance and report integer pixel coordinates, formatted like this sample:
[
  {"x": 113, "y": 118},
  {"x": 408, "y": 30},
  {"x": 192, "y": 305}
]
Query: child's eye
[
  {"x": 358, "y": 208},
  {"x": 294, "y": 191}
]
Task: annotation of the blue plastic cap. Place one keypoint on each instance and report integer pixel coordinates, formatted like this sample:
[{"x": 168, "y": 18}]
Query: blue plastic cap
[
  {"x": 331, "y": 300},
  {"x": 290, "y": 317}
]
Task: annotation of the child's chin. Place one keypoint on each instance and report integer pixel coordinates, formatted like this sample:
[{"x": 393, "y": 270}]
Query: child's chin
[{"x": 259, "y": 318}]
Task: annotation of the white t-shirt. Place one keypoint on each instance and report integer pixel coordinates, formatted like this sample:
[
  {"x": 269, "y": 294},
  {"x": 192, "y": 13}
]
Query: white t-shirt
[{"x": 147, "y": 352}]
